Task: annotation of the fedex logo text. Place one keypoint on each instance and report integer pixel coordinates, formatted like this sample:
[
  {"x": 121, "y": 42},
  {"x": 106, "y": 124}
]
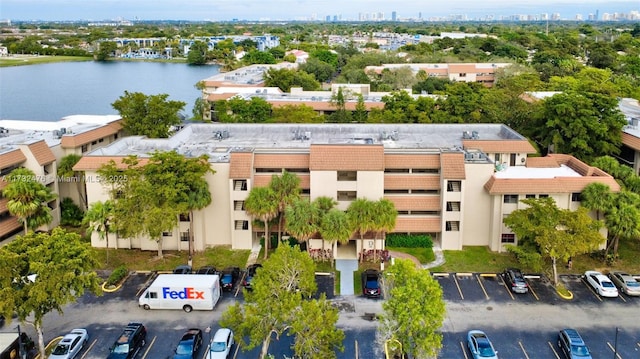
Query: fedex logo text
[{"x": 186, "y": 293}]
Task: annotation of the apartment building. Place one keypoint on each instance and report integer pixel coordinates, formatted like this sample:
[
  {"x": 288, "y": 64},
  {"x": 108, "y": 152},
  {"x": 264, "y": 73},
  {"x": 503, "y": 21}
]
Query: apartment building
[
  {"x": 455, "y": 182},
  {"x": 39, "y": 146},
  {"x": 630, "y": 151},
  {"x": 484, "y": 73}
]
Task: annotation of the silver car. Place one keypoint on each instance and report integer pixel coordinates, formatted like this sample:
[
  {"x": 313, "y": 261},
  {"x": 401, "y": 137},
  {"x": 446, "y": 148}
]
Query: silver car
[
  {"x": 626, "y": 283},
  {"x": 70, "y": 345}
]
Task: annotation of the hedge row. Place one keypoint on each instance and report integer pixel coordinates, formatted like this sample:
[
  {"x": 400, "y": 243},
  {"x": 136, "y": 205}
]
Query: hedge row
[
  {"x": 409, "y": 240},
  {"x": 117, "y": 275}
]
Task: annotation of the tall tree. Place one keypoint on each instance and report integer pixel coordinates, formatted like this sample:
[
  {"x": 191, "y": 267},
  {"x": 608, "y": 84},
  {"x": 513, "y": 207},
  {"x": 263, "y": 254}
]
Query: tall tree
[
  {"x": 150, "y": 116},
  {"x": 28, "y": 199},
  {"x": 65, "y": 169},
  {"x": 361, "y": 217},
  {"x": 335, "y": 227},
  {"x": 275, "y": 306},
  {"x": 597, "y": 197},
  {"x": 197, "y": 53},
  {"x": 105, "y": 49},
  {"x": 63, "y": 269},
  {"x": 99, "y": 218},
  {"x": 302, "y": 219},
  {"x": 287, "y": 190},
  {"x": 262, "y": 204},
  {"x": 385, "y": 218},
  {"x": 622, "y": 221},
  {"x": 558, "y": 233},
  {"x": 414, "y": 310}
]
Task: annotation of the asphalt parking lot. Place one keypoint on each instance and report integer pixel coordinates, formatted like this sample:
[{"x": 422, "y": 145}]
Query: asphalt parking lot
[{"x": 519, "y": 325}]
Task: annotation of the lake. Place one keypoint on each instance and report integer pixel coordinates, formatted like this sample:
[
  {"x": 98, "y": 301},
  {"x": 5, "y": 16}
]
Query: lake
[{"x": 49, "y": 92}]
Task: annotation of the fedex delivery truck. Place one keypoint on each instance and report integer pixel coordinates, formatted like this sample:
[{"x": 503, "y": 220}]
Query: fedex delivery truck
[{"x": 182, "y": 291}]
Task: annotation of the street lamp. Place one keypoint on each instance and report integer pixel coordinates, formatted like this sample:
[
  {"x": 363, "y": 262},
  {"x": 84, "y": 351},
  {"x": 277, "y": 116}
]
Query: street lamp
[{"x": 208, "y": 331}]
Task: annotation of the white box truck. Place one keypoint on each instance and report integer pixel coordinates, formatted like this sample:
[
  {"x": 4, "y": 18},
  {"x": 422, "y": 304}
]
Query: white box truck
[{"x": 182, "y": 291}]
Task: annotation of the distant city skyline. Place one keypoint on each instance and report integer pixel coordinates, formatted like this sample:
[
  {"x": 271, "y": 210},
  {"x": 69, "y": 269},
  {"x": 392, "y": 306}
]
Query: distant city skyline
[{"x": 274, "y": 10}]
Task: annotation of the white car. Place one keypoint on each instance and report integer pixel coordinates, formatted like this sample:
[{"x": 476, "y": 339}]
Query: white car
[
  {"x": 221, "y": 344},
  {"x": 70, "y": 345},
  {"x": 601, "y": 283}
]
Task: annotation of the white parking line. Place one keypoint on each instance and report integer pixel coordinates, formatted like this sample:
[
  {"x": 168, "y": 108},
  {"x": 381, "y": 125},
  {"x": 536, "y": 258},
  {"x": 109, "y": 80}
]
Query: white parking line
[
  {"x": 591, "y": 289},
  {"x": 613, "y": 350},
  {"x": 482, "y": 286},
  {"x": 553, "y": 349},
  {"x": 89, "y": 349},
  {"x": 464, "y": 350},
  {"x": 532, "y": 291},
  {"x": 507, "y": 288},
  {"x": 523, "y": 351},
  {"x": 149, "y": 347},
  {"x": 455, "y": 279}
]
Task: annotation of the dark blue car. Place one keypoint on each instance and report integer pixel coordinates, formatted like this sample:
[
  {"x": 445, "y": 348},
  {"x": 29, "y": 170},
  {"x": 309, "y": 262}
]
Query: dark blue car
[
  {"x": 189, "y": 344},
  {"x": 229, "y": 277}
]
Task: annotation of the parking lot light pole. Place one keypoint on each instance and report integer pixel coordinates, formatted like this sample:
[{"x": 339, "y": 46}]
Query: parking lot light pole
[{"x": 615, "y": 344}]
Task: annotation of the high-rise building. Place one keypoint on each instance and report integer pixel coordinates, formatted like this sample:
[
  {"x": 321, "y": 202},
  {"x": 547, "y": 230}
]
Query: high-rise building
[{"x": 394, "y": 16}]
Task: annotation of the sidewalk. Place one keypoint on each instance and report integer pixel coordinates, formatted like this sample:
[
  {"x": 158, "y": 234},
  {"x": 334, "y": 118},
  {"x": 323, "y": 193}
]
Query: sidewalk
[{"x": 436, "y": 250}]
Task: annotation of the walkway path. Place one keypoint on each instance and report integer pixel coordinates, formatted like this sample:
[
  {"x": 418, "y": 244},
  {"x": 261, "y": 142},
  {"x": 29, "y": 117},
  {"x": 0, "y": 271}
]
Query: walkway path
[
  {"x": 346, "y": 267},
  {"x": 436, "y": 250}
]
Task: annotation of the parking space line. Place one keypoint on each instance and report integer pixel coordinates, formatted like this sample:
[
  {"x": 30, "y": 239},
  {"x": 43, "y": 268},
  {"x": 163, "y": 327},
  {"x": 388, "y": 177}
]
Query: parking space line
[
  {"x": 455, "y": 279},
  {"x": 149, "y": 347},
  {"x": 590, "y": 289},
  {"x": 507, "y": 288},
  {"x": 622, "y": 297},
  {"x": 464, "y": 351},
  {"x": 204, "y": 356},
  {"x": 240, "y": 284},
  {"x": 235, "y": 354},
  {"x": 553, "y": 350},
  {"x": 613, "y": 350},
  {"x": 88, "y": 349},
  {"x": 523, "y": 351},
  {"x": 482, "y": 286},
  {"x": 532, "y": 291}
]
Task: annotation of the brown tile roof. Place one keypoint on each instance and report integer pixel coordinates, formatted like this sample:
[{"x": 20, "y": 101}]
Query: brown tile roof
[
  {"x": 241, "y": 165},
  {"x": 262, "y": 180},
  {"x": 92, "y": 163},
  {"x": 324, "y": 105},
  {"x": 418, "y": 225},
  {"x": 411, "y": 181},
  {"x": 545, "y": 185},
  {"x": 8, "y": 225},
  {"x": 465, "y": 68},
  {"x": 542, "y": 162},
  {"x": 631, "y": 141},
  {"x": 42, "y": 153},
  {"x": 499, "y": 146},
  {"x": 220, "y": 96},
  {"x": 3, "y": 201},
  {"x": 346, "y": 157},
  {"x": 452, "y": 165},
  {"x": 77, "y": 140},
  {"x": 12, "y": 158},
  {"x": 421, "y": 161},
  {"x": 264, "y": 160},
  {"x": 416, "y": 203}
]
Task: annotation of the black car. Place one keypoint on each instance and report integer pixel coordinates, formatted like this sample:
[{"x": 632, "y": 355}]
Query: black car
[
  {"x": 251, "y": 272},
  {"x": 129, "y": 342},
  {"x": 229, "y": 277},
  {"x": 207, "y": 270},
  {"x": 182, "y": 269},
  {"x": 189, "y": 344},
  {"x": 515, "y": 281},
  {"x": 371, "y": 283}
]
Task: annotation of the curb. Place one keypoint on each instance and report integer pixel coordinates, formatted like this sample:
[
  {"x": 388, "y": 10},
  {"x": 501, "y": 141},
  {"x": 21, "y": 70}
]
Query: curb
[
  {"x": 46, "y": 347},
  {"x": 567, "y": 297}
]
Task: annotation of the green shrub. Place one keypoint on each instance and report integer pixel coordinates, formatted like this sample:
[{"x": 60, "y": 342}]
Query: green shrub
[
  {"x": 409, "y": 240},
  {"x": 70, "y": 213},
  {"x": 117, "y": 275}
]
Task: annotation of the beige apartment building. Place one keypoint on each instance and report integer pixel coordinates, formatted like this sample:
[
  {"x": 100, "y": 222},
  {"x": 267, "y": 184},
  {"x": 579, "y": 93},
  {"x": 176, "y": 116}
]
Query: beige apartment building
[
  {"x": 455, "y": 182},
  {"x": 39, "y": 146},
  {"x": 484, "y": 73}
]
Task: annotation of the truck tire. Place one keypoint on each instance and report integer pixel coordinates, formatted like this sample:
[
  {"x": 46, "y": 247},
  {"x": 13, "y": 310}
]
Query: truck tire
[
  {"x": 187, "y": 308},
  {"x": 146, "y": 307}
]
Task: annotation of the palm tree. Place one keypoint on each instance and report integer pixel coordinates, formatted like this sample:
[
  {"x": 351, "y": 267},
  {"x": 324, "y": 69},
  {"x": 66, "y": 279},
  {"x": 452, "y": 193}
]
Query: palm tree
[
  {"x": 287, "y": 190},
  {"x": 597, "y": 197},
  {"x": 622, "y": 221},
  {"x": 198, "y": 198},
  {"x": 262, "y": 204},
  {"x": 361, "y": 217},
  {"x": 65, "y": 169},
  {"x": 28, "y": 199},
  {"x": 385, "y": 218},
  {"x": 302, "y": 219},
  {"x": 99, "y": 217},
  {"x": 335, "y": 227}
]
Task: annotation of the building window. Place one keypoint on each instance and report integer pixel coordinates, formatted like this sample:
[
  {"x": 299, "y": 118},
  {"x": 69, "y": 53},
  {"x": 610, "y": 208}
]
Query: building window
[
  {"x": 396, "y": 191},
  {"x": 396, "y": 170},
  {"x": 425, "y": 170},
  {"x": 530, "y": 196},
  {"x": 184, "y": 236},
  {"x": 93, "y": 143},
  {"x": 239, "y": 185},
  {"x": 84, "y": 148},
  {"x": 347, "y": 195},
  {"x": 347, "y": 176},
  {"x": 452, "y": 226},
  {"x": 115, "y": 137},
  {"x": 543, "y": 196},
  {"x": 510, "y": 198},
  {"x": 454, "y": 186},
  {"x": 453, "y": 206},
  {"x": 166, "y": 234},
  {"x": 497, "y": 157},
  {"x": 508, "y": 238},
  {"x": 576, "y": 197},
  {"x": 462, "y": 74},
  {"x": 241, "y": 225},
  {"x": 238, "y": 205},
  {"x": 184, "y": 217}
]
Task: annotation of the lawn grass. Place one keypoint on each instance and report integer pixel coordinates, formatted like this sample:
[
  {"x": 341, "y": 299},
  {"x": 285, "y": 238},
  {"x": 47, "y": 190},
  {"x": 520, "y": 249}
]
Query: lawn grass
[
  {"x": 21, "y": 60},
  {"x": 476, "y": 259},
  {"x": 424, "y": 255},
  {"x": 628, "y": 261}
]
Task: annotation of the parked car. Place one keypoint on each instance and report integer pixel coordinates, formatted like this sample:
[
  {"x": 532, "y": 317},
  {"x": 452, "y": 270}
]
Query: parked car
[
  {"x": 572, "y": 345},
  {"x": 601, "y": 284},
  {"x": 70, "y": 345},
  {"x": 207, "y": 270},
  {"x": 129, "y": 342},
  {"x": 515, "y": 281},
  {"x": 182, "y": 269},
  {"x": 625, "y": 283},
  {"x": 189, "y": 344},
  {"x": 220, "y": 346},
  {"x": 480, "y": 345},
  {"x": 251, "y": 272},
  {"x": 371, "y": 283},
  {"x": 229, "y": 278}
]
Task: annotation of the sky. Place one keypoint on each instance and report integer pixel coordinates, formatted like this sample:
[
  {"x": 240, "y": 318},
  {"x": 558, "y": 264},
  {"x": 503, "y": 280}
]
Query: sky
[{"x": 223, "y": 10}]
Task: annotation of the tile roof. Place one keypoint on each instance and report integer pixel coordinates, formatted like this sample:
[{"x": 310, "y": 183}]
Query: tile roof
[
  {"x": 346, "y": 157},
  {"x": 631, "y": 141},
  {"x": 542, "y": 162},
  {"x": 9, "y": 224},
  {"x": 416, "y": 203},
  {"x": 77, "y": 140},
  {"x": 420, "y": 161},
  {"x": 3, "y": 201},
  {"x": 418, "y": 225},
  {"x": 11, "y": 158},
  {"x": 324, "y": 105},
  {"x": 241, "y": 165},
  {"x": 42, "y": 152},
  {"x": 499, "y": 146},
  {"x": 545, "y": 185},
  {"x": 92, "y": 163},
  {"x": 411, "y": 181},
  {"x": 284, "y": 160},
  {"x": 453, "y": 165}
]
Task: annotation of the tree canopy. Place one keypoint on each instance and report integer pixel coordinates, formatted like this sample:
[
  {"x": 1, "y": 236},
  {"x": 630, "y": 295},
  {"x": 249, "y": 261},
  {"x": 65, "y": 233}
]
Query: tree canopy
[
  {"x": 148, "y": 115},
  {"x": 28, "y": 199}
]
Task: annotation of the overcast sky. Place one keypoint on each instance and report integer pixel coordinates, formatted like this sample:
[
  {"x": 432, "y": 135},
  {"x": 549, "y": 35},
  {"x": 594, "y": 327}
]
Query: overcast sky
[{"x": 221, "y": 10}]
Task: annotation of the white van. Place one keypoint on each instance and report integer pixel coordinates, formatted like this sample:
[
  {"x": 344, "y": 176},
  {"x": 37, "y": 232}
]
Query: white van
[{"x": 182, "y": 291}]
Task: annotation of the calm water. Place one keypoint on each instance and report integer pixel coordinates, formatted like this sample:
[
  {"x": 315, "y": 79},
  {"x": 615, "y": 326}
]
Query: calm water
[{"x": 51, "y": 91}]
